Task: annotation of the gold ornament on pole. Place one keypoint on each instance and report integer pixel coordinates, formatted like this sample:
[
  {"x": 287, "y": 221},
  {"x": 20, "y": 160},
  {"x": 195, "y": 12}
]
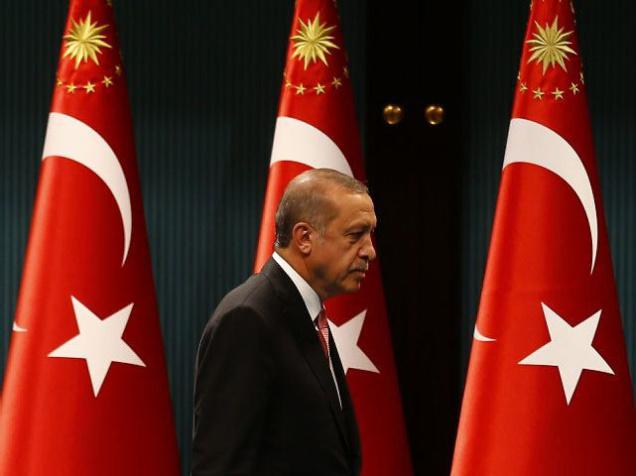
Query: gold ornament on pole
[
  {"x": 393, "y": 114},
  {"x": 434, "y": 114}
]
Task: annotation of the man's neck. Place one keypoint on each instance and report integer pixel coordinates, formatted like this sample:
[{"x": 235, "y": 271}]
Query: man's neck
[
  {"x": 299, "y": 266},
  {"x": 294, "y": 261}
]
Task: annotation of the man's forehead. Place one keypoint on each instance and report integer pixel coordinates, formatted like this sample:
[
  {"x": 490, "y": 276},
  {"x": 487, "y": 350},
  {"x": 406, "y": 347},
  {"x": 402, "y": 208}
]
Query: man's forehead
[
  {"x": 347, "y": 198},
  {"x": 357, "y": 207}
]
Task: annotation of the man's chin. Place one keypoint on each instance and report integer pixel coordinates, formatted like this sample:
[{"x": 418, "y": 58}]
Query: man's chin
[{"x": 354, "y": 285}]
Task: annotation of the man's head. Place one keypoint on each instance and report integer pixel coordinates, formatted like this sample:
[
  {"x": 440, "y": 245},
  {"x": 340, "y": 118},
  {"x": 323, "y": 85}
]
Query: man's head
[{"x": 323, "y": 229}]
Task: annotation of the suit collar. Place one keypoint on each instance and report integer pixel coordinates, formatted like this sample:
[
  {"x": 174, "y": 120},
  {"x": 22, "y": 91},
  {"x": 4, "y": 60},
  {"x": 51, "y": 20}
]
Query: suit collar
[{"x": 310, "y": 297}]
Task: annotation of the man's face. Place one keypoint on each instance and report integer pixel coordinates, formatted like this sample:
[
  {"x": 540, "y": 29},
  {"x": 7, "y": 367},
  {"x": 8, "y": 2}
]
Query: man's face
[{"x": 340, "y": 256}]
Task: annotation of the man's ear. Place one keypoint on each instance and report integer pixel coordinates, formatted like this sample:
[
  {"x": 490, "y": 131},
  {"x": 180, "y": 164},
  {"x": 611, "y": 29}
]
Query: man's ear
[{"x": 302, "y": 237}]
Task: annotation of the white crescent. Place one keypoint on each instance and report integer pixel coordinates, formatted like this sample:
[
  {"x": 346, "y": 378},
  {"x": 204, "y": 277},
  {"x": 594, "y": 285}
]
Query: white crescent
[
  {"x": 480, "y": 337},
  {"x": 533, "y": 143},
  {"x": 297, "y": 141},
  {"x": 72, "y": 139}
]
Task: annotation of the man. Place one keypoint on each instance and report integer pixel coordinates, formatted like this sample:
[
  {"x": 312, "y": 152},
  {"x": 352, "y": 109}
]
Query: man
[{"x": 270, "y": 393}]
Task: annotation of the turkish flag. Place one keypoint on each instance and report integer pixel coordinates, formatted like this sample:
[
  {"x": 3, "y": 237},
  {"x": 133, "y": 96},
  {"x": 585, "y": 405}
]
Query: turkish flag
[
  {"x": 86, "y": 389},
  {"x": 548, "y": 389},
  {"x": 316, "y": 128}
]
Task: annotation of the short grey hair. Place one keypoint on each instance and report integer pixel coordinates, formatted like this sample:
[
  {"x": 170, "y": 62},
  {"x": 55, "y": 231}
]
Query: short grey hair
[{"x": 307, "y": 198}]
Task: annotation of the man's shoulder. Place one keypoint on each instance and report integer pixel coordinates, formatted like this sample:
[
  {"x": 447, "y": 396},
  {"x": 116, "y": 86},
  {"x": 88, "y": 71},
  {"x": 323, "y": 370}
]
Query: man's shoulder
[
  {"x": 243, "y": 310},
  {"x": 253, "y": 293},
  {"x": 254, "y": 299}
]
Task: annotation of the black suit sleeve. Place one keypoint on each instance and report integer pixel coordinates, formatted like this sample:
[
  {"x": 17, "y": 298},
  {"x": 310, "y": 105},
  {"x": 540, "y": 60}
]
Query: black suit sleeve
[{"x": 233, "y": 382}]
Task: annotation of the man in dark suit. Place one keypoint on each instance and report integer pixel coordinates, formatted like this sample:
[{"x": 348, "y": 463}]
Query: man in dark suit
[{"x": 270, "y": 393}]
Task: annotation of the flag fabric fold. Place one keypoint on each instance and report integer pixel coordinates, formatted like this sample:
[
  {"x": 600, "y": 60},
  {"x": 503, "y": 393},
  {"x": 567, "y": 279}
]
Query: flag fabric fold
[
  {"x": 548, "y": 389},
  {"x": 86, "y": 389},
  {"x": 317, "y": 128}
]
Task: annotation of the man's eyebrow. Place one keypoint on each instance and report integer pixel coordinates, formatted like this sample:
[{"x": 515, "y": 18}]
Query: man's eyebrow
[{"x": 361, "y": 226}]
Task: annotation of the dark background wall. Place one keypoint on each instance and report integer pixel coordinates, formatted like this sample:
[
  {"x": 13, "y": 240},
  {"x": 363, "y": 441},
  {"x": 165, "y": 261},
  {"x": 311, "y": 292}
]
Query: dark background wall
[{"x": 204, "y": 79}]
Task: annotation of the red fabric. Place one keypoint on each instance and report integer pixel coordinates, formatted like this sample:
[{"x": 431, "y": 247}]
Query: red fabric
[
  {"x": 52, "y": 423},
  {"x": 515, "y": 418},
  {"x": 375, "y": 395}
]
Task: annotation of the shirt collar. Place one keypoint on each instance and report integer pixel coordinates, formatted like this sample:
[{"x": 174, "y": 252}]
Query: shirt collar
[{"x": 310, "y": 297}]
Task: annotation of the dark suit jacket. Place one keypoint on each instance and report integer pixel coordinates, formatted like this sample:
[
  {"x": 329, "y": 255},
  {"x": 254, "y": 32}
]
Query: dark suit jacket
[{"x": 264, "y": 400}]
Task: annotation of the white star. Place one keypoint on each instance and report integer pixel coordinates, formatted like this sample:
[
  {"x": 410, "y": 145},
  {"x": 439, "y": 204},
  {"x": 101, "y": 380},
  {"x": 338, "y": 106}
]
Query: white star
[
  {"x": 99, "y": 342},
  {"x": 346, "y": 338},
  {"x": 570, "y": 350}
]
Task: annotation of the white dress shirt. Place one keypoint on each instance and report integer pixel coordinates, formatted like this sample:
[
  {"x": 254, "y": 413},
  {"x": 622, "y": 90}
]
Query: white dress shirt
[{"x": 311, "y": 300}]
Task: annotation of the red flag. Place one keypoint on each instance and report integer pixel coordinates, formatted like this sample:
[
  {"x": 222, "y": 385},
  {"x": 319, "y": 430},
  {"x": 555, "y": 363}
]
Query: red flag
[
  {"x": 316, "y": 128},
  {"x": 86, "y": 390},
  {"x": 548, "y": 389}
]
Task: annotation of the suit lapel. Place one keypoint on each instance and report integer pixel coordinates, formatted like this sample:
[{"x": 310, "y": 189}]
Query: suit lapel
[
  {"x": 299, "y": 322},
  {"x": 348, "y": 412}
]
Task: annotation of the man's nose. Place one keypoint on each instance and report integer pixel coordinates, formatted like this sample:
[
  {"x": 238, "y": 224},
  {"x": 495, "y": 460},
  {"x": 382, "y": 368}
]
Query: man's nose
[{"x": 367, "y": 251}]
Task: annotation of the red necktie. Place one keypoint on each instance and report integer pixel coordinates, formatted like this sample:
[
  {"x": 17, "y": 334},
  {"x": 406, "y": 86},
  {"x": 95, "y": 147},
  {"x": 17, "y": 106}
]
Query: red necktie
[{"x": 323, "y": 332}]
